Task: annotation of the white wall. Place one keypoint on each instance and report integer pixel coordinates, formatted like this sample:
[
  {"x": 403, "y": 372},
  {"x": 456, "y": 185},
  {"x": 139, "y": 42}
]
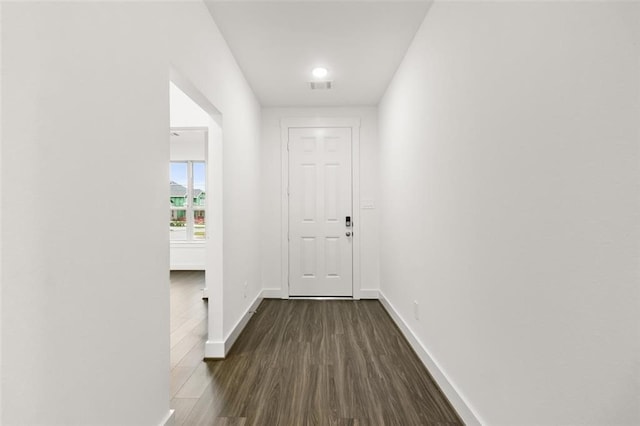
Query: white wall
[
  {"x": 271, "y": 187},
  {"x": 183, "y": 111},
  {"x": 188, "y": 144},
  {"x": 75, "y": 296},
  {"x": 86, "y": 329},
  {"x": 1, "y": 275},
  {"x": 509, "y": 150}
]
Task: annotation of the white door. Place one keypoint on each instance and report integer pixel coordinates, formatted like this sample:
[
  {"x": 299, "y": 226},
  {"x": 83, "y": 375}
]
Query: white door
[{"x": 320, "y": 193}]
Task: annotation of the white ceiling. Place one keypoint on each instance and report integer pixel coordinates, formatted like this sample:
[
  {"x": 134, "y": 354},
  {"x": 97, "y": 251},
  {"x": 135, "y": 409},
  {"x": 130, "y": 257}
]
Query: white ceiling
[{"x": 278, "y": 43}]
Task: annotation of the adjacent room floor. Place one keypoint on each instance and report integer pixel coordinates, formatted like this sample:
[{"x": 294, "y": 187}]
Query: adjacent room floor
[
  {"x": 299, "y": 362},
  {"x": 188, "y": 336}
]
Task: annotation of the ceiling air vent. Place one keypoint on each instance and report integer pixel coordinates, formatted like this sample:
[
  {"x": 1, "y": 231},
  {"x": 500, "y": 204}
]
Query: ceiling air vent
[{"x": 320, "y": 85}]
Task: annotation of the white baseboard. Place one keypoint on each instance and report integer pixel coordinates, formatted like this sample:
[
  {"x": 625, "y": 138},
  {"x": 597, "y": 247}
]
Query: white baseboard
[
  {"x": 461, "y": 406},
  {"x": 272, "y": 293},
  {"x": 241, "y": 324},
  {"x": 219, "y": 350},
  {"x": 369, "y": 294},
  {"x": 214, "y": 349},
  {"x": 169, "y": 419}
]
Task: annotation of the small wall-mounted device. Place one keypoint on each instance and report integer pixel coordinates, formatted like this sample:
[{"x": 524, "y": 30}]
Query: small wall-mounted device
[{"x": 348, "y": 222}]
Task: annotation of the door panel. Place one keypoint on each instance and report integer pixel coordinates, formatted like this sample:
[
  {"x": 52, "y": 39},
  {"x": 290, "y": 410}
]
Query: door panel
[{"x": 320, "y": 198}]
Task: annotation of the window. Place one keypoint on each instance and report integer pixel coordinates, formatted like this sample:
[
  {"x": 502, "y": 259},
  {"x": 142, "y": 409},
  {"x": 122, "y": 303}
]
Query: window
[{"x": 187, "y": 200}]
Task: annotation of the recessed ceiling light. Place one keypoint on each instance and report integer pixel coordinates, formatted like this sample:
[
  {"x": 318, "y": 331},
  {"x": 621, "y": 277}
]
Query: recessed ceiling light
[{"x": 320, "y": 72}]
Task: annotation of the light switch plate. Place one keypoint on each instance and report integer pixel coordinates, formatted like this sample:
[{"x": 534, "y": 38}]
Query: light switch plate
[{"x": 367, "y": 204}]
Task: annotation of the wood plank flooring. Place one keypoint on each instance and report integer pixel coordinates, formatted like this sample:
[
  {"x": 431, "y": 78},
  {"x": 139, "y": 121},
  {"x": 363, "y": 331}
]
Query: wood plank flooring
[
  {"x": 304, "y": 362},
  {"x": 188, "y": 335}
]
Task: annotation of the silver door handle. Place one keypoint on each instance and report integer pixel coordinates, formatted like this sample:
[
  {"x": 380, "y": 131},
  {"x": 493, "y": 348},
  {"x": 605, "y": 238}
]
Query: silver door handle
[{"x": 348, "y": 234}]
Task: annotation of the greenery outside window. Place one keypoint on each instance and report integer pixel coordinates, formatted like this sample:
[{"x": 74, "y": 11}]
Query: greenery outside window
[{"x": 187, "y": 200}]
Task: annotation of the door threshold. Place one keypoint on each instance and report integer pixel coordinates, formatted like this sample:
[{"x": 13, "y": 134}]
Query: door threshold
[{"x": 321, "y": 297}]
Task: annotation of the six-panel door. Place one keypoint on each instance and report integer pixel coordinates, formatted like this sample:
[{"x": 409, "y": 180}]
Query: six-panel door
[{"x": 320, "y": 194}]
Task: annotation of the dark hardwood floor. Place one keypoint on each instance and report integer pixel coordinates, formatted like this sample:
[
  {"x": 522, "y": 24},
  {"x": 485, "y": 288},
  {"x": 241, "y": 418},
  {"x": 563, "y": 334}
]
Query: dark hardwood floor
[{"x": 302, "y": 362}]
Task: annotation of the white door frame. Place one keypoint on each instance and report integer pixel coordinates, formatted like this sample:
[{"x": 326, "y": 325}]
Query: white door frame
[
  {"x": 214, "y": 263},
  {"x": 354, "y": 125}
]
